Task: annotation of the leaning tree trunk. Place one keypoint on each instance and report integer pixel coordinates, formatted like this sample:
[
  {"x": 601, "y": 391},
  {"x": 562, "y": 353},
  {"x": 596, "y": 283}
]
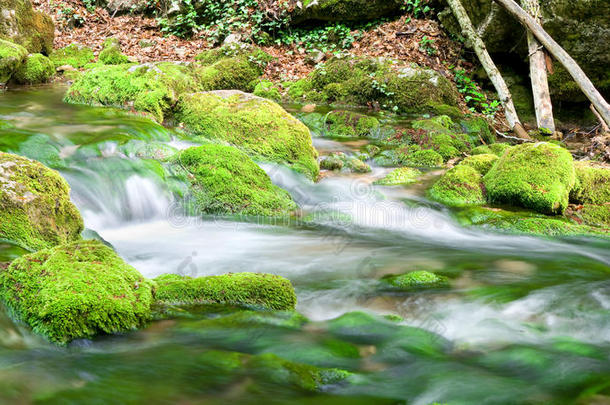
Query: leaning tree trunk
[
  {"x": 538, "y": 73},
  {"x": 562, "y": 56},
  {"x": 488, "y": 64}
]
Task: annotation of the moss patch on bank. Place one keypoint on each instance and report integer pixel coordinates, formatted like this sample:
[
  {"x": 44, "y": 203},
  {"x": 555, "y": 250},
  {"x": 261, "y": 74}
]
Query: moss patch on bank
[{"x": 36, "y": 69}]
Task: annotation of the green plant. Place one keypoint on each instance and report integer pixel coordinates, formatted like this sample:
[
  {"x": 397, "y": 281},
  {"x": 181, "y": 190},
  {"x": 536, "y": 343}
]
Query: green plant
[
  {"x": 426, "y": 45},
  {"x": 476, "y": 100},
  {"x": 416, "y": 8},
  {"x": 184, "y": 24}
]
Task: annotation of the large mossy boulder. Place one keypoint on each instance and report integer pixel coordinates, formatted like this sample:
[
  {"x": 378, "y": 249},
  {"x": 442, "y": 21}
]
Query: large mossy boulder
[
  {"x": 224, "y": 180},
  {"x": 12, "y": 57},
  {"x": 36, "y": 69},
  {"x": 258, "y": 126},
  {"x": 460, "y": 186},
  {"x": 243, "y": 289},
  {"x": 534, "y": 175},
  {"x": 21, "y": 24},
  {"x": 580, "y": 27},
  {"x": 592, "y": 184},
  {"x": 77, "y": 290},
  {"x": 361, "y": 81},
  {"x": 344, "y": 10},
  {"x": 151, "y": 88},
  {"x": 35, "y": 207}
]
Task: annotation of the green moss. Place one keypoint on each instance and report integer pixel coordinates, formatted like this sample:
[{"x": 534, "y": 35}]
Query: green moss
[
  {"x": 409, "y": 156},
  {"x": 350, "y": 124},
  {"x": 526, "y": 223},
  {"x": 592, "y": 185},
  {"x": 357, "y": 80},
  {"x": 74, "y": 55},
  {"x": 11, "y": 58},
  {"x": 339, "y": 160},
  {"x": 111, "y": 53},
  {"x": 36, "y": 69},
  {"x": 36, "y": 211},
  {"x": 74, "y": 291},
  {"x": 443, "y": 109},
  {"x": 258, "y": 126},
  {"x": 499, "y": 148},
  {"x": 460, "y": 186},
  {"x": 400, "y": 176},
  {"x": 481, "y": 163},
  {"x": 443, "y": 136},
  {"x": 226, "y": 181},
  {"x": 478, "y": 129},
  {"x": 303, "y": 376},
  {"x": 298, "y": 89},
  {"x": 150, "y": 88},
  {"x": 417, "y": 280},
  {"x": 23, "y": 25},
  {"x": 266, "y": 89},
  {"x": 481, "y": 150},
  {"x": 537, "y": 176},
  {"x": 595, "y": 215},
  {"x": 243, "y": 289},
  {"x": 425, "y": 158}
]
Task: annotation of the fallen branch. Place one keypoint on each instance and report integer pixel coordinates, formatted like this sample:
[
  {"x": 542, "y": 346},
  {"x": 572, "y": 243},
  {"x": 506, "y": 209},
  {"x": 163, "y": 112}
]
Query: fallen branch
[
  {"x": 562, "y": 56},
  {"x": 490, "y": 67},
  {"x": 600, "y": 119}
]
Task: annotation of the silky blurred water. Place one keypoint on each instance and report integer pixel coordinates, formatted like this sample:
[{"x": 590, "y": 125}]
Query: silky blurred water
[{"x": 527, "y": 319}]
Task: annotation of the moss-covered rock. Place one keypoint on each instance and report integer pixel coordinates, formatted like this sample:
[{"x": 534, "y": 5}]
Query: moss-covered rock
[
  {"x": 111, "y": 53},
  {"x": 416, "y": 280},
  {"x": 267, "y": 89},
  {"x": 150, "y": 88},
  {"x": 595, "y": 215},
  {"x": 339, "y": 161},
  {"x": 243, "y": 289},
  {"x": 344, "y": 10},
  {"x": 74, "y": 55},
  {"x": 341, "y": 123},
  {"x": 77, "y": 290},
  {"x": 231, "y": 67},
  {"x": 12, "y": 57},
  {"x": 442, "y": 135},
  {"x": 226, "y": 181},
  {"x": 497, "y": 149},
  {"x": 409, "y": 156},
  {"x": 21, "y": 24},
  {"x": 400, "y": 176},
  {"x": 525, "y": 223},
  {"x": 460, "y": 186},
  {"x": 537, "y": 176},
  {"x": 592, "y": 184},
  {"x": 36, "y": 211},
  {"x": 36, "y": 69},
  {"x": 481, "y": 163},
  {"x": 260, "y": 127},
  {"x": 360, "y": 81}
]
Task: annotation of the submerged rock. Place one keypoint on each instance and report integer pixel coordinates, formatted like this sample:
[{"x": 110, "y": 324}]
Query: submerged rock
[
  {"x": 460, "y": 186},
  {"x": 77, "y": 290},
  {"x": 537, "y": 176},
  {"x": 226, "y": 181},
  {"x": 243, "y": 289},
  {"x": 12, "y": 57},
  {"x": 416, "y": 280},
  {"x": 35, "y": 207},
  {"x": 260, "y": 127},
  {"x": 21, "y": 24},
  {"x": 74, "y": 55},
  {"x": 36, "y": 69}
]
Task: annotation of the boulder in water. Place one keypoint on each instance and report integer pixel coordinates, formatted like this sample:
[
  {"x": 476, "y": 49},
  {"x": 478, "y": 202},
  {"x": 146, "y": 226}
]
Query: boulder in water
[
  {"x": 37, "y": 68},
  {"x": 12, "y": 57},
  {"x": 260, "y": 127},
  {"x": 224, "y": 180},
  {"x": 416, "y": 280},
  {"x": 460, "y": 186},
  {"x": 77, "y": 290},
  {"x": 35, "y": 207}
]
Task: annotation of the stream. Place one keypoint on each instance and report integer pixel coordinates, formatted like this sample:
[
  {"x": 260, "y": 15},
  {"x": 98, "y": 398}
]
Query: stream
[{"x": 527, "y": 319}]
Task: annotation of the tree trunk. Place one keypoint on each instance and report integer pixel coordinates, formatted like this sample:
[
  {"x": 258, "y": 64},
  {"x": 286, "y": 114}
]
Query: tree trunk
[
  {"x": 488, "y": 64},
  {"x": 538, "y": 73},
  {"x": 562, "y": 56}
]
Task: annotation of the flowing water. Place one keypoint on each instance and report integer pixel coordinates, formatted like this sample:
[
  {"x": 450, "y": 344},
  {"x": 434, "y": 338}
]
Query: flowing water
[{"x": 527, "y": 319}]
